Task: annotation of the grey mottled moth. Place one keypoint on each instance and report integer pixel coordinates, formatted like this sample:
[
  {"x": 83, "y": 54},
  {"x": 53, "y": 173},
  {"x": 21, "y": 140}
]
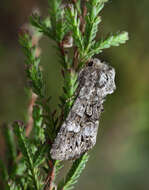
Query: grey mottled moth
[{"x": 79, "y": 131}]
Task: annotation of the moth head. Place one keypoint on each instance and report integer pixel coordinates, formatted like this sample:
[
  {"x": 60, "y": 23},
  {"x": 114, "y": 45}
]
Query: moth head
[{"x": 95, "y": 63}]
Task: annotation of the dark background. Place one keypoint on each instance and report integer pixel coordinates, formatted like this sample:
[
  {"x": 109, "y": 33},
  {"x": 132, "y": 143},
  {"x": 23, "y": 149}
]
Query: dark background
[{"x": 120, "y": 160}]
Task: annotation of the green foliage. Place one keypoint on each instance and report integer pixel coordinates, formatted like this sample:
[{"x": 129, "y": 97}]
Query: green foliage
[
  {"x": 58, "y": 166},
  {"x": 10, "y": 143},
  {"x": 43, "y": 26},
  {"x": 74, "y": 173},
  {"x": 38, "y": 119},
  {"x": 33, "y": 70},
  {"x": 113, "y": 40},
  {"x": 26, "y": 150},
  {"x": 92, "y": 20},
  {"x": 74, "y": 25},
  {"x": 33, "y": 167},
  {"x": 56, "y": 16},
  {"x": 69, "y": 88},
  {"x": 4, "y": 175}
]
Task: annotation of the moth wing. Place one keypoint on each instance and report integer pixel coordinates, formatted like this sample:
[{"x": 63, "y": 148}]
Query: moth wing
[
  {"x": 73, "y": 140},
  {"x": 77, "y": 135}
]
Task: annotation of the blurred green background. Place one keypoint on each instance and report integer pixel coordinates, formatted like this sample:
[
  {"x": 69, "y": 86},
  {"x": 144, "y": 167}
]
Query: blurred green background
[{"x": 120, "y": 160}]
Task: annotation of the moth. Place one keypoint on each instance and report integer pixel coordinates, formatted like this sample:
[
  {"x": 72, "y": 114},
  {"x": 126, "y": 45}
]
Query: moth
[{"x": 79, "y": 131}]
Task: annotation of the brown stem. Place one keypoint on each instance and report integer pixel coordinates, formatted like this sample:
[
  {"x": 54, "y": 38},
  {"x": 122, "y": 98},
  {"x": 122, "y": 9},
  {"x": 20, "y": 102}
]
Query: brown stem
[
  {"x": 61, "y": 47},
  {"x": 82, "y": 17},
  {"x": 75, "y": 58},
  {"x": 49, "y": 182},
  {"x": 74, "y": 1},
  {"x": 29, "y": 125}
]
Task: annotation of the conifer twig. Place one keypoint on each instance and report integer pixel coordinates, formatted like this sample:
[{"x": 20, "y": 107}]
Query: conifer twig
[{"x": 34, "y": 169}]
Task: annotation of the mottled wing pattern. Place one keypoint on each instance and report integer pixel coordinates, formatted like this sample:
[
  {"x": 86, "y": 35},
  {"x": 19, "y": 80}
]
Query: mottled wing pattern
[{"x": 79, "y": 131}]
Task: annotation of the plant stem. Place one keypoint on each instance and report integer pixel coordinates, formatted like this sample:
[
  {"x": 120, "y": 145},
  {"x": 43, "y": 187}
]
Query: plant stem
[
  {"x": 82, "y": 18},
  {"x": 49, "y": 182},
  {"x": 30, "y": 118}
]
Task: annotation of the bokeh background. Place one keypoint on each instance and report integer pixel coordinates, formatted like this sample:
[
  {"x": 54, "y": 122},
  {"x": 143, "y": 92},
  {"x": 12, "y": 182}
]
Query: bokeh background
[{"x": 120, "y": 160}]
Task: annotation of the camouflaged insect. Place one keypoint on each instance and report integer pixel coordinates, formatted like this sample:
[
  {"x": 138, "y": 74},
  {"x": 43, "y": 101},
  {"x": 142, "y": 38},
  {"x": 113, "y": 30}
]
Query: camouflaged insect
[{"x": 79, "y": 131}]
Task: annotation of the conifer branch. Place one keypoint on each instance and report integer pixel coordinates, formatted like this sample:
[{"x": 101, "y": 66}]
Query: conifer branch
[
  {"x": 113, "y": 40},
  {"x": 74, "y": 173},
  {"x": 94, "y": 7},
  {"x": 74, "y": 26},
  {"x": 43, "y": 26},
  {"x": 79, "y": 23},
  {"x": 27, "y": 154},
  {"x": 33, "y": 70}
]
